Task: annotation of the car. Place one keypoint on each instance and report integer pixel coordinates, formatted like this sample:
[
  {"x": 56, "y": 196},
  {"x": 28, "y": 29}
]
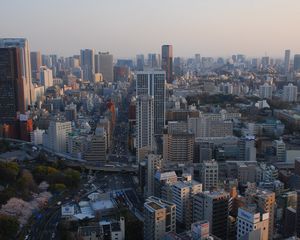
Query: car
[{"x": 53, "y": 235}]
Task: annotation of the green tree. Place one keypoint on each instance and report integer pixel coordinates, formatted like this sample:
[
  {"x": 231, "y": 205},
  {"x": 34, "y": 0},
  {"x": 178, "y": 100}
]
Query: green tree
[
  {"x": 8, "y": 227},
  {"x": 72, "y": 177}
]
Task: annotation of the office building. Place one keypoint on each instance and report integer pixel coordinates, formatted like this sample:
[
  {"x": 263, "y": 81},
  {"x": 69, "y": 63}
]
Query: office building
[
  {"x": 36, "y": 63},
  {"x": 24, "y": 66},
  {"x": 87, "y": 63},
  {"x": 55, "y": 138},
  {"x": 46, "y": 77},
  {"x": 167, "y": 61},
  {"x": 154, "y": 60},
  {"x": 209, "y": 171},
  {"x": 13, "y": 93},
  {"x": 290, "y": 93},
  {"x": 200, "y": 230},
  {"x": 145, "y": 125},
  {"x": 71, "y": 112},
  {"x": 265, "y": 91},
  {"x": 213, "y": 207},
  {"x": 140, "y": 62},
  {"x": 163, "y": 182},
  {"x": 153, "y": 163},
  {"x": 104, "y": 65},
  {"x": 279, "y": 149},
  {"x": 152, "y": 83},
  {"x": 247, "y": 149},
  {"x": 183, "y": 193},
  {"x": 265, "y": 202},
  {"x": 287, "y": 58},
  {"x": 178, "y": 147},
  {"x": 297, "y": 62},
  {"x": 160, "y": 218},
  {"x": 251, "y": 224},
  {"x": 96, "y": 152}
]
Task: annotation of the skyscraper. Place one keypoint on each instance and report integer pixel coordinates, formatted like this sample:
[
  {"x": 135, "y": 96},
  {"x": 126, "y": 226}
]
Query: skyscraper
[
  {"x": 297, "y": 62},
  {"x": 140, "y": 62},
  {"x": 290, "y": 93},
  {"x": 152, "y": 83},
  {"x": 167, "y": 61},
  {"x": 12, "y": 90},
  {"x": 36, "y": 63},
  {"x": 154, "y": 60},
  {"x": 145, "y": 127},
  {"x": 25, "y": 65},
  {"x": 104, "y": 65},
  {"x": 87, "y": 62},
  {"x": 287, "y": 57}
]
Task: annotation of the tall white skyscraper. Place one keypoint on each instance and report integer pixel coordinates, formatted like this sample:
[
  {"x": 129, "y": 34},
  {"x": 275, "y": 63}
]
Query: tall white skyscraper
[
  {"x": 152, "y": 83},
  {"x": 104, "y": 65},
  {"x": 23, "y": 45},
  {"x": 290, "y": 93},
  {"x": 46, "y": 77},
  {"x": 145, "y": 125}
]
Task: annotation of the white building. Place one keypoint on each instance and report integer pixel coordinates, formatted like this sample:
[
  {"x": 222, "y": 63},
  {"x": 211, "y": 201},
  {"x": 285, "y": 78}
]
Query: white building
[
  {"x": 182, "y": 195},
  {"x": 36, "y": 137},
  {"x": 280, "y": 150},
  {"x": 153, "y": 164},
  {"x": 152, "y": 83},
  {"x": 247, "y": 149},
  {"x": 265, "y": 91},
  {"x": 290, "y": 93},
  {"x": 55, "y": 137},
  {"x": 46, "y": 77},
  {"x": 251, "y": 224},
  {"x": 145, "y": 125}
]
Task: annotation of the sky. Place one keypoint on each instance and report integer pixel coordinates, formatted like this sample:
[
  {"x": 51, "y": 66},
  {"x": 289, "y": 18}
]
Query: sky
[{"x": 129, "y": 27}]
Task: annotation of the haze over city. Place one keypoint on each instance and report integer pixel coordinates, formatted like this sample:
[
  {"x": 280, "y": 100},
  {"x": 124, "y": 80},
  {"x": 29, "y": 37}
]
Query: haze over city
[{"x": 125, "y": 28}]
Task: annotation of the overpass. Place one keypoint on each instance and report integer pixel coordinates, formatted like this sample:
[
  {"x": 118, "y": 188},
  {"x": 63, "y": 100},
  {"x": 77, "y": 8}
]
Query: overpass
[{"x": 77, "y": 162}]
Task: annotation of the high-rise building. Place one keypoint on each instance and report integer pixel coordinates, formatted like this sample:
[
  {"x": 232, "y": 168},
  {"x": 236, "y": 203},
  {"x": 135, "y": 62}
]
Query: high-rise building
[
  {"x": 87, "y": 63},
  {"x": 96, "y": 152},
  {"x": 104, "y": 65},
  {"x": 247, "y": 149},
  {"x": 25, "y": 66},
  {"x": 167, "y": 61},
  {"x": 290, "y": 93},
  {"x": 55, "y": 137},
  {"x": 140, "y": 62},
  {"x": 213, "y": 207},
  {"x": 297, "y": 62},
  {"x": 160, "y": 218},
  {"x": 265, "y": 91},
  {"x": 209, "y": 175},
  {"x": 153, "y": 163},
  {"x": 287, "y": 57},
  {"x": 12, "y": 90},
  {"x": 152, "y": 83},
  {"x": 265, "y": 202},
  {"x": 280, "y": 150},
  {"x": 183, "y": 193},
  {"x": 145, "y": 125},
  {"x": 46, "y": 77},
  {"x": 178, "y": 147},
  {"x": 36, "y": 63},
  {"x": 154, "y": 60},
  {"x": 251, "y": 224}
]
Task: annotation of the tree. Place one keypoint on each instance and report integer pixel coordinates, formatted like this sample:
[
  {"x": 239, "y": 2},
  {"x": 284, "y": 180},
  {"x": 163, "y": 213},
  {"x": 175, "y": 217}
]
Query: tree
[
  {"x": 72, "y": 177},
  {"x": 9, "y": 226}
]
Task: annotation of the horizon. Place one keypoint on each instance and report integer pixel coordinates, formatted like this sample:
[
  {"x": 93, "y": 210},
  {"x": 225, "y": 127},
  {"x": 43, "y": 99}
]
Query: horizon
[{"x": 65, "y": 27}]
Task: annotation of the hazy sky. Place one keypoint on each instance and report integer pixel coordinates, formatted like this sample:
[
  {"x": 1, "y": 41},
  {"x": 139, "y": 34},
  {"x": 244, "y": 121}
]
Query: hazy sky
[{"x": 128, "y": 27}]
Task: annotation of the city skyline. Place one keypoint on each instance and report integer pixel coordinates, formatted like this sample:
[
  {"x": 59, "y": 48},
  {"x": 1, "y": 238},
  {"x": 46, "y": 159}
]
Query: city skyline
[{"x": 209, "y": 28}]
